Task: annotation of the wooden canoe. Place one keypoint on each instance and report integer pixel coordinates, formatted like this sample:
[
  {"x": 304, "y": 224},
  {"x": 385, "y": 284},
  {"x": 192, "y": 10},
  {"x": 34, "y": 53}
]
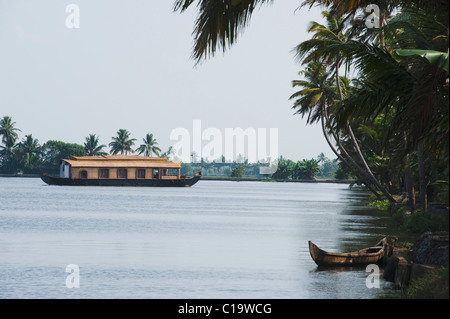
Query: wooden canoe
[{"x": 370, "y": 255}]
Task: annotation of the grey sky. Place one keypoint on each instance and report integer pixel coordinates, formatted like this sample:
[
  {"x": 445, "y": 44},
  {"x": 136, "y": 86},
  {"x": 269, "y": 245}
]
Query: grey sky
[{"x": 128, "y": 66}]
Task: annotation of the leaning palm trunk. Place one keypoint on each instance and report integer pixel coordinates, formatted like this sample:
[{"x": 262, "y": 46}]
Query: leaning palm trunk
[
  {"x": 365, "y": 169},
  {"x": 347, "y": 161},
  {"x": 352, "y": 163}
]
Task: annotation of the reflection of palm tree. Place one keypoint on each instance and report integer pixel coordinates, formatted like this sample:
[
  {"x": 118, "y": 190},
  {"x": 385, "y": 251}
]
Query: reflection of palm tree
[
  {"x": 91, "y": 146},
  {"x": 149, "y": 146},
  {"x": 122, "y": 143},
  {"x": 8, "y": 133}
]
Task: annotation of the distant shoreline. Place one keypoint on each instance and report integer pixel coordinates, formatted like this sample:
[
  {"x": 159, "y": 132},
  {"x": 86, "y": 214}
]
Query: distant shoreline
[
  {"x": 250, "y": 179},
  {"x": 233, "y": 179},
  {"x": 21, "y": 175}
]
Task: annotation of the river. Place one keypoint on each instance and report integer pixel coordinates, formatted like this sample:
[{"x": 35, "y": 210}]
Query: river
[{"x": 217, "y": 239}]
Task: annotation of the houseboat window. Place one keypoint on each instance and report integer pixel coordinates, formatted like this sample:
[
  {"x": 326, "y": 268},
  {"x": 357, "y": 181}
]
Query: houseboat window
[
  {"x": 83, "y": 174},
  {"x": 104, "y": 173},
  {"x": 155, "y": 173},
  {"x": 122, "y": 173},
  {"x": 172, "y": 172},
  {"x": 141, "y": 173}
]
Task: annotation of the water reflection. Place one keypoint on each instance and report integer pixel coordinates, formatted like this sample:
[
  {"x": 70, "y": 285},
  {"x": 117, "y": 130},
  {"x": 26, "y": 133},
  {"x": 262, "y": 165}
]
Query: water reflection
[
  {"x": 215, "y": 240},
  {"x": 358, "y": 226}
]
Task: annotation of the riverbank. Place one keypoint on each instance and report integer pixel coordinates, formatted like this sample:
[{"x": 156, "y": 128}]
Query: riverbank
[
  {"x": 421, "y": 271},
  {"x": 256, "y": 179},
  {"x": 419, "y": 260},
  {"x": 20, "y": 175}
]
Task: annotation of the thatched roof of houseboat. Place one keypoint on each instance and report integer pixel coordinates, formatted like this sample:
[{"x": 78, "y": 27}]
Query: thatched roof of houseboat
[{"x": 114, "y": 161}]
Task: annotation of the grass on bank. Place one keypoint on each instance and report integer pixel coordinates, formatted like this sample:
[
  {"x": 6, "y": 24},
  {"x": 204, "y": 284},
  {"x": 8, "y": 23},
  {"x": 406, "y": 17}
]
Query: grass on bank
[
  {"x": 421, "y": 221},
  {"x": 417, "y": 223},
  {"x": 433, "y": 285}
]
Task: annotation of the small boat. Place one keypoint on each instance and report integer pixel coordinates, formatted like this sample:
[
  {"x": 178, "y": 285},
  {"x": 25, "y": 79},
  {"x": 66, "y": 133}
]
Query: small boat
[{"x": 370, "y": 255}]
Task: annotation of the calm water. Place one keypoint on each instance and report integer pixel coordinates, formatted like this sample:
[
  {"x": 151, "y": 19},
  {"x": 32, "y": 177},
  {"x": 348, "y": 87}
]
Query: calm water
[{"x": 214, "y": 240}]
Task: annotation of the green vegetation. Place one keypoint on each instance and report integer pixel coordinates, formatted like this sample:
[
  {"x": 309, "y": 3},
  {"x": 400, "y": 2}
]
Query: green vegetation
[
  {"x": 433, "y": 285},
  {"x": 380, "y": 204},
  {"x": 52, "y": 151},
  {"x": 29, "y": 157},
  {"x": 91, "y": 146},
  {"x": 420, "y": 221},
  {"x": 149, "y": 147},
  {"x": 238, "y": 172},
  {"x": 305, "y": 169},
  {"x": 379, "y": 93},
  {"x": 122, "y": 143}
]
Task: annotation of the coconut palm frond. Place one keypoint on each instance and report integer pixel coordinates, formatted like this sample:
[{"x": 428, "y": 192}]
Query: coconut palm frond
[
  {"x": 122, "y": 143},
  {"x": 218, "y": 23},
  {"x": 182, "y": 5},
  {"x": 149, "y": 146}
]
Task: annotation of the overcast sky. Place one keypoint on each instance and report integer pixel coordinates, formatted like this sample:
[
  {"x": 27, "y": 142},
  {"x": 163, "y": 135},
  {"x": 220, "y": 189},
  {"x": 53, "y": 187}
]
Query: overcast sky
[{"x": 128, "y": 66}]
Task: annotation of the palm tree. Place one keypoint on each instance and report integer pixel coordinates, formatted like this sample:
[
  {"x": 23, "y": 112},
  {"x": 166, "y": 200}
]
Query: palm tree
[
  {"x": 411, "y": 82},
  {"x": 29, "y": 149},
  {"x": 322, "y": 47},
  {"x": 170, "y": 151},
  {"x": 91, "y": 146},
  {"x": 122, "y": 143},
  {"x": 410, "y": 75},
  {"x": 149, "y": 146},
  {"x": 218, "y": 23},
  {"x": 322, "y": 158},
  {"x": 317, "y": 95},
  {"x": 8, "y": 132}
]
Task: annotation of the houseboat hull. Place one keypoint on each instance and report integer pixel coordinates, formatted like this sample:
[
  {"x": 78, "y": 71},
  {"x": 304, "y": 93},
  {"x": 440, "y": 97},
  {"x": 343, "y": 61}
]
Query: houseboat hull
[{"x": 184, "y": 182}]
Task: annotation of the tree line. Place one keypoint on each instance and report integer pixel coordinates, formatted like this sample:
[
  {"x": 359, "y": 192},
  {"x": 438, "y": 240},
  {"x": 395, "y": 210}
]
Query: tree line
[
  {"x": 379, "y": 91},
  {"x": 305, "y": 169},
  {"x": 29, "y": 157}
]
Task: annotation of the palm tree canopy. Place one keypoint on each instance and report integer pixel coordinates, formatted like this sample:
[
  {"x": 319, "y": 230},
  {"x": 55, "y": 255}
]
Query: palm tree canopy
[
  {"x": 149, "y": 146},
  {"x": 91, "y": 146},
  {"x": 8, "y": 131},
  {"x": 29, "y": 148},
  {"x": 218, "y": 23},
  {"x": 317, "y": 90},
  {"x": 30, "y": 144},
  {"x": 122, "y": 143}
]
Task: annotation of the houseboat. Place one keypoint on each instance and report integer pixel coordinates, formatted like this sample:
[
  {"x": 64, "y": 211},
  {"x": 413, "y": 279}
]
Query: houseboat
[{"x": 120, "y": 170}]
